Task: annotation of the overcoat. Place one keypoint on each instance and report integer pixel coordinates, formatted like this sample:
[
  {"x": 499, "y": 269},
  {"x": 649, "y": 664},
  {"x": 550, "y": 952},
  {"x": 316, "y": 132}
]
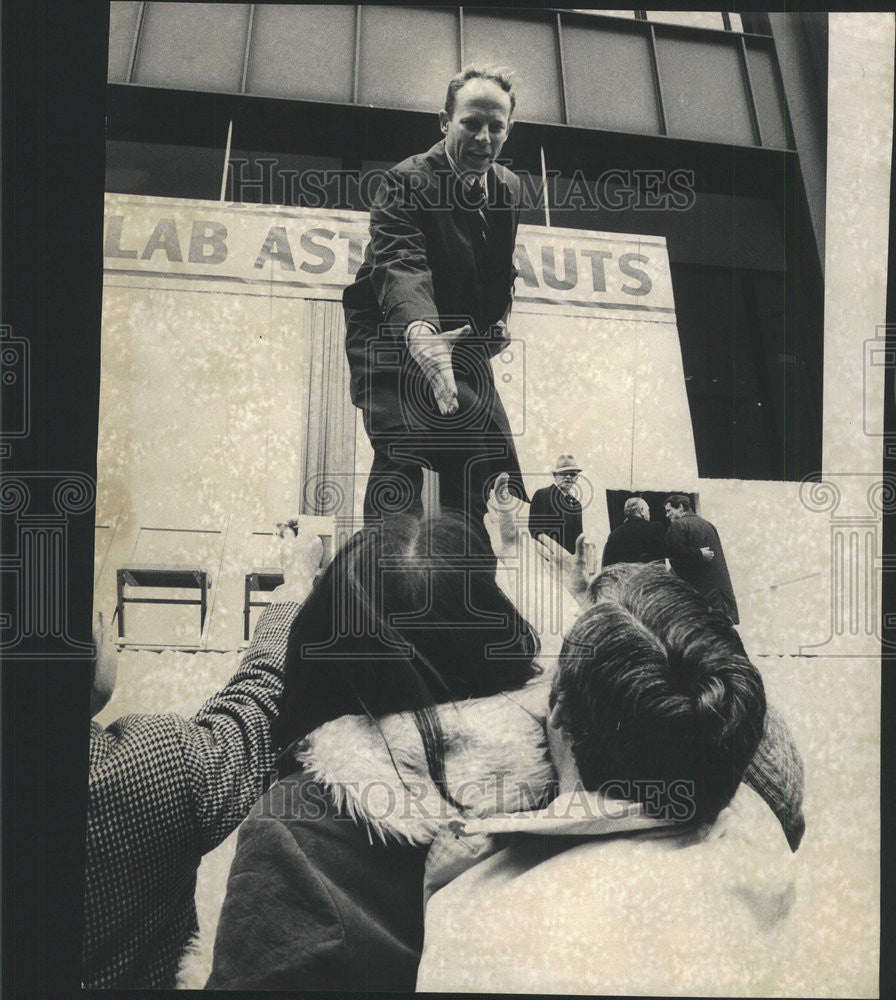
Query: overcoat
[{"x": 684, "y": 539}]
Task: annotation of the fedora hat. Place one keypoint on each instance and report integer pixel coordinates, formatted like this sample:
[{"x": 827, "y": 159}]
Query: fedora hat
[{"x": 566, "y": 463}]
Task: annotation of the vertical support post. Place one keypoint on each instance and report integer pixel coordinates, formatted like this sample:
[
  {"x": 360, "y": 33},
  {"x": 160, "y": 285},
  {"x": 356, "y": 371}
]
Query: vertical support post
[
  {"x": 119, "y": 603},
  {"x": 357, "y": 68},
  {"x": 564, "y": 95},
  {"x": 657, "y": 81},
  {"x": 132, "y": 58}
]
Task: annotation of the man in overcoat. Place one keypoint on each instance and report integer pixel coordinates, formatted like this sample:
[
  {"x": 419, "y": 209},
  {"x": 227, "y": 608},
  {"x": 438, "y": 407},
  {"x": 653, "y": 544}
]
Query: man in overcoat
[
  {"x": 555, "y": 511},
  {"x": 428, "y": 308},
  {"x": 637, "y": 539},
  {"x": 695, "y": 554}
]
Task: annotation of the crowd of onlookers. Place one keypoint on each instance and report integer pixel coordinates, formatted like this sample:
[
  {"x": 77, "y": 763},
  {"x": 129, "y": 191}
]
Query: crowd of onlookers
[{"x": 425, "y": 803}]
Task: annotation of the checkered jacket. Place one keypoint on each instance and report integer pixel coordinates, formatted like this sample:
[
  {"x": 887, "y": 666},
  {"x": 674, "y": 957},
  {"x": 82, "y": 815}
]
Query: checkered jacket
[{"x": 163, "y": 791}]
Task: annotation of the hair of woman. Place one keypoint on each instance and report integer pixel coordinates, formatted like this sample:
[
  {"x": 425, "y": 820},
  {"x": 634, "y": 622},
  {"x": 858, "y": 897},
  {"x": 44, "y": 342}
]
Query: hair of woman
[{"x": 406, "y": 616}]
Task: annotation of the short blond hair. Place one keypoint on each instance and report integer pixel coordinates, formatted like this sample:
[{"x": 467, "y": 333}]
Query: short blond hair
[{"x": 500, "y": 75}]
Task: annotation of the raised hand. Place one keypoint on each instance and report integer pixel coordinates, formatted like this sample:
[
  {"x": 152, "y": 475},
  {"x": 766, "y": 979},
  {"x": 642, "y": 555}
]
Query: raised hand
[
  {"x": 573, "y": 567},
  {"x": 501, "y": 520},
  {"x": 300, "y": 558},
  {"x": 432, "y": 352}
]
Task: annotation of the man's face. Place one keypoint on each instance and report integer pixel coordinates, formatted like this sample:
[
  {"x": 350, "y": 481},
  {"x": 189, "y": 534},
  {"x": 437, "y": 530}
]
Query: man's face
[
  {"x": 479, "y": 126},
  {"x": 565, "y": 480},
  {"x": 673, "y": 513}
]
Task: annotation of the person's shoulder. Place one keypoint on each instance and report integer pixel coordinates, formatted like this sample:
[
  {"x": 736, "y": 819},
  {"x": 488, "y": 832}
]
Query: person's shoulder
[
  {"x": 701, "y": 523},
  {"x": 136, "y": 733},
  {"x": 506, "y": 176},
  {"x": 138, "y": 751},
  {"x": 293, "y": 801},
  {"x": 507, "y": 180},
  {"x": 136, "y": 767},
  {"x": 430, "y": 162}
]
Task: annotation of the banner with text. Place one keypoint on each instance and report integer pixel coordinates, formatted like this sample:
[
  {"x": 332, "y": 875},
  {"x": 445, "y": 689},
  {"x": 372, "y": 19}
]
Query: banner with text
[{"x": 304, "y": 253}]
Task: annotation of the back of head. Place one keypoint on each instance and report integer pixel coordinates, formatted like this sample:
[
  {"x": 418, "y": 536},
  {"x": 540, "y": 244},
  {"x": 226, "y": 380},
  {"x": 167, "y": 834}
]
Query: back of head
[
  {"x": 407, "y": 615},
  {"x": 659, "y": 698},
  {"x": 636, "y": 507}
]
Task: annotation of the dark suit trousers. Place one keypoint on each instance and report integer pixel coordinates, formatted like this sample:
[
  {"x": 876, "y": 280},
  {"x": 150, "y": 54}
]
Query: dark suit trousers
[{"x": 467, "y": 469}]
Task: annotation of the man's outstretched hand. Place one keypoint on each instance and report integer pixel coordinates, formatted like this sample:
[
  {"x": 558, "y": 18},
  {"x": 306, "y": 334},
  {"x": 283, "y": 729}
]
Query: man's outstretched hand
[{"x": 432, "y": 352}]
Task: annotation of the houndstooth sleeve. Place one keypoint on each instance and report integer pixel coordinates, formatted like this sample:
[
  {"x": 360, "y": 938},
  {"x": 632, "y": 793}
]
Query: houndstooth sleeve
[{"x": 227, "y": 744}]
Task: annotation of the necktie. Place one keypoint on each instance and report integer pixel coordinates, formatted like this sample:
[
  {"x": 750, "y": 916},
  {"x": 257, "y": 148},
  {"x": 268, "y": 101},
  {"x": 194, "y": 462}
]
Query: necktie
[{"x": 478, "y": 198}]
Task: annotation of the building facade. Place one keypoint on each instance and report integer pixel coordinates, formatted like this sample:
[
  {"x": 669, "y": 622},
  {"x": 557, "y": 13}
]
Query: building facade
[{"x": 705, "y": 128}]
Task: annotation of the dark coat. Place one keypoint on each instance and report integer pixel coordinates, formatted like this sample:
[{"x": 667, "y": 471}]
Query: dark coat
[
  {"x": 684, "y": 538},
  {"x": 421, "y": 264},
  {"x": 427, "y": 260},
  {"x": 635, "y": 540},
  {"x": 314, "y": 903},
  {"x": 557, "y": 515}
]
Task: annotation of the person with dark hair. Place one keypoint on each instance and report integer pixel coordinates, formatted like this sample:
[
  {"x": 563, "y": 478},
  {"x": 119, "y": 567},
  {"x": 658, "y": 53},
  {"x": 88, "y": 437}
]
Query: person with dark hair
[
  {"x": 637, "y": 539},
  {"x": 164, "y": 790},
  {"x": 655, "y": 637},
  {"x": 555, "y": 510},
  {"x": 400, "y": 621},
  {"x": 656, "y": 869},
  {"x": 428, "y": 309},
  {"x": 695, "y": 554},
  {"x": 390, "y": 666}
]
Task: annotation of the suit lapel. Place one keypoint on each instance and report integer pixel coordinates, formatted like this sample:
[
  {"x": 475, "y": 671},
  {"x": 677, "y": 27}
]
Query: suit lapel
[
  {"x": 500, "y": 214},
  {"x": 456, "y": 224}
]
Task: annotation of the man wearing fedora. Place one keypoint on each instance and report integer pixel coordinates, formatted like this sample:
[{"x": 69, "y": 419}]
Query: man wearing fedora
[{"x": 555, "y": 511}]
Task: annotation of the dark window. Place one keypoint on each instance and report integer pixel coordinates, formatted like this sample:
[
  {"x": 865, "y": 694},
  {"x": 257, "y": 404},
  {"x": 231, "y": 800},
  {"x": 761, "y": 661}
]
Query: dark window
[
  {"x": 703, "y": 88},
  {"x": 769, "y": 96},
  {"x": 529, "y": 46}
]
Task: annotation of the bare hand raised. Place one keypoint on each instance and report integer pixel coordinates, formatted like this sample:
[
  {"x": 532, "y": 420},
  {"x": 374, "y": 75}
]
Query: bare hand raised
[
  {"x": 299, "y": 559},
  {"x": 573, "y": 567},
  {"x": 501, "y": 520}
]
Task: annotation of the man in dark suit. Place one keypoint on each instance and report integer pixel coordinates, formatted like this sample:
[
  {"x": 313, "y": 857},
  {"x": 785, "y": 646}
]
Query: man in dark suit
[
  {"x": 555, "y": 511},
  {"x": 427, "y": 310},
  {"x": 637, "y": 539},
  {"x": 695, "y": 554}
]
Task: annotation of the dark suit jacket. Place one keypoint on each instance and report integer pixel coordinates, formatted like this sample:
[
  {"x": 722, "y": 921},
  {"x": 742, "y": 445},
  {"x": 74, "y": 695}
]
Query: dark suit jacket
[
  {"x": 556, "y": 515},
  {"x": 635, "y": 540},
  {"x": 421, "y": 264}
]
